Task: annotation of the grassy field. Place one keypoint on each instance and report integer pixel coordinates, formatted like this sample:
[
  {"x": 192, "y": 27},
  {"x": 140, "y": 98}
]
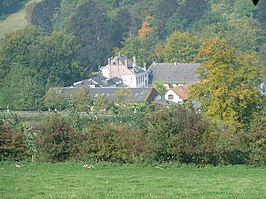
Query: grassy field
[
  {"x": 33, "y": 119},
  {"x": 71, "y": 180},
  {"x": 36, "y": 119},
  {"x": 15, "y": 21}
]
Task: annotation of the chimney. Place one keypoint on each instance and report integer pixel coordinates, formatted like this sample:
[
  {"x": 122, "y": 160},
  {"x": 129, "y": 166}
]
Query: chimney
[
  {"x": 126, "y": 62},
  {"x": 134, "y": 61},
  {"x": 109, "y": 61}
]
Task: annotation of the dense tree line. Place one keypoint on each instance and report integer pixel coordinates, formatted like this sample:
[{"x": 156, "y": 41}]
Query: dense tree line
[
  {"x": 32, "y": 62},
  {"x": 116, "y": 24}
]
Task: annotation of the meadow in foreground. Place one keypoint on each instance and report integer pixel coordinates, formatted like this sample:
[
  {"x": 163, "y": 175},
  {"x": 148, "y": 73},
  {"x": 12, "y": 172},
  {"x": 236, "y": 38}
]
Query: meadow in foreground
[{"x": 71, "y": 180}]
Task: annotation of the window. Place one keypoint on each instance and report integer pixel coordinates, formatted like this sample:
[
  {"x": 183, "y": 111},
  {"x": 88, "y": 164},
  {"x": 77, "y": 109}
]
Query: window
[
  {"x": 123, "y": 71},
  {"x": 170, "y": 97}
]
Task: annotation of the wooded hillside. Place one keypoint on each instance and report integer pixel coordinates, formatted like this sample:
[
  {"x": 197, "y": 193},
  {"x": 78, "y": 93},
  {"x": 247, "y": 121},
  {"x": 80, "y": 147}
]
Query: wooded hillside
[{"x": 70, "y": 39}]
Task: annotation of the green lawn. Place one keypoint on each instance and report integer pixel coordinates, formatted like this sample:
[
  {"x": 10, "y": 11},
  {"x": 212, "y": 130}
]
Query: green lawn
[
  {"x": 71, "y": 180},
  {"x": 15, "y": 21}
]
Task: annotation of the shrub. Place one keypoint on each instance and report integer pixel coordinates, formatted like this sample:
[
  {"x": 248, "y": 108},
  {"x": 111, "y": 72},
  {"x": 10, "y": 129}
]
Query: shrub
[
  {"x": 258, "y": 139},
  {"x": 56, "y": 140},
  {"x": 177, "y": 134},
  {"x": 231, "y": 144},
  {"x": 114, "y": 144},
  {"x": 13, "y": 146}
]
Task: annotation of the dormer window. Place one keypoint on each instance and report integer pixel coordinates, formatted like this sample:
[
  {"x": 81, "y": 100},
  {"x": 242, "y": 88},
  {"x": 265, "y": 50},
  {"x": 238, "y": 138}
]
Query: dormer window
[{"x": 123, "y": 71}]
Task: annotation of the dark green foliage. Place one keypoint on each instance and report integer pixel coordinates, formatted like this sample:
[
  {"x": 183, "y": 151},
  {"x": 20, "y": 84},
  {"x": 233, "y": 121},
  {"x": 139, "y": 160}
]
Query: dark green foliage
[
  {"x": 57, "y": 60},
  {"x": 177, "y": 134},
  {"x": 54, "y": 100},
  {"x": 122, "y": 26},
  {"x": 20, "y": 47},
  {"x": 13, "y": 145},
  {"x": 262, "y": 14},
  {"x": 231, "y": 144},
  {"x": 193, "y": 10},
  {"x": 56, "y": 140},
  {"x": 44, "y": 14},
  {"x": 258, "y": 138},
  {"x": 171, "y": 134},
  {"x": 163, "y": 10},
  {"x": 9, "y": 6},
  {"x": 54, "y": 57},
  {"x": 92, "y": 30},
  {"x": 31, "y": 62},
  {"x": 21, "y": 90},
  {"x": 114, "y": 144}
]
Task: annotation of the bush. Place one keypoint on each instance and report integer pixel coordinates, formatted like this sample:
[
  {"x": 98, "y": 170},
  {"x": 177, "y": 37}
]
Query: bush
[
  {"x": 56, "y": 141},
  {"x": 258, "y": 139},
  {"x": 114, "y": 144},
  {"x": 177, "y": 134},
  {"x": 13, "y": 146},
  {"x": 231, "y": 144}
]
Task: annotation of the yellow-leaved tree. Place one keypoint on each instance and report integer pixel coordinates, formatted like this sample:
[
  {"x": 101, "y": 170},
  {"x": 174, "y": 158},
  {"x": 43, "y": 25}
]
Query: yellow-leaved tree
[{"x": 228, "y": 89}]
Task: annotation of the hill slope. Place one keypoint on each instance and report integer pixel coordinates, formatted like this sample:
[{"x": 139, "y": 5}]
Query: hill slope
[{"x": 14, "y": 22}]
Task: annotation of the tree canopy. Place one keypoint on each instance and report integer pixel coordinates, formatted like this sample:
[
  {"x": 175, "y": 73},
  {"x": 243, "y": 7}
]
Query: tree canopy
[
  {"x": 31, "y": 62},
  {"x": 230, "y": 78}
]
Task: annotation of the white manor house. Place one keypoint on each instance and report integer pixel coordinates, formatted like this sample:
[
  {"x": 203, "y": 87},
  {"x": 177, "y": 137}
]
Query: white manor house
[{"x": 119, "y": 72}]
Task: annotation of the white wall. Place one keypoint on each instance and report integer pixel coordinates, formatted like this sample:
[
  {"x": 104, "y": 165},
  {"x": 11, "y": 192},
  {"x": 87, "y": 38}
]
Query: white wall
[
  {"x": 136, "y": 81},
  {"x": 175, "y": 99},
  {"x": 106, "y": 72}
]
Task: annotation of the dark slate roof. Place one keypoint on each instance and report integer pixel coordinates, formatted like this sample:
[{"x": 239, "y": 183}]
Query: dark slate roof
[
  {"x": 137, "y": 70},
  {"x": 131, "y": 94},
  {"x": 85, "y": 82},
  {"x": 115, "y": 80},
  {"x": 101, "y": 80},
  {"x": 180, "y": 73}
]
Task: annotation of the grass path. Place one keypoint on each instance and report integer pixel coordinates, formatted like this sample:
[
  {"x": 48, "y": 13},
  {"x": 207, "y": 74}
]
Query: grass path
[
  {"x": 71, "y": 180},
  {"x": 14, "y": 22}
]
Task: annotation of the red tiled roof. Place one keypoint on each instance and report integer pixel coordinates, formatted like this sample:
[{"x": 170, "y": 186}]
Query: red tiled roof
[{"x": 182, "y": 91}]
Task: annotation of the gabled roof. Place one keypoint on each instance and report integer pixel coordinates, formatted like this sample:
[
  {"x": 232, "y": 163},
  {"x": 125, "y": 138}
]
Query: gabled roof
[
  {"x": 182, "y": 91},
  {"x": 174, "y": 73},
  {"x": 119, "y": 59},
  {"x": 122, "y": 60},
  {"x": 131, "y": 94}
]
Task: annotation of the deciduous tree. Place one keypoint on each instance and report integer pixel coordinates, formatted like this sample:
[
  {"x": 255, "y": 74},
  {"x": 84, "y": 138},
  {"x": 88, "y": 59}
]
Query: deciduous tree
[
  {"x": 229, "y": 87},
  {"x": 92, "y": 30},
  {"x": 181, "y": 47}
]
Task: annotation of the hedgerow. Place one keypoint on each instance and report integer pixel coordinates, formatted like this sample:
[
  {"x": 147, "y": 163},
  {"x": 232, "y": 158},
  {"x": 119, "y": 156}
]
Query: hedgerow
[{"x": 173, "y": 134}]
